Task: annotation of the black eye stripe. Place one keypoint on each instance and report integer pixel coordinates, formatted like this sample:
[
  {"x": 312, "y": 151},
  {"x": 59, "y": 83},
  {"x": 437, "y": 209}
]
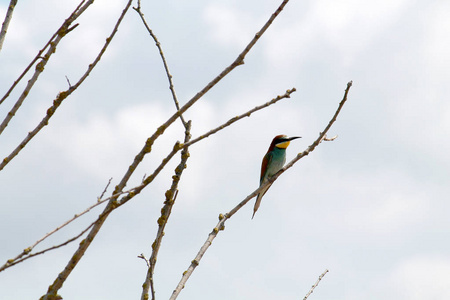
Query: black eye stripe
[{"x": 281, "y": 140}]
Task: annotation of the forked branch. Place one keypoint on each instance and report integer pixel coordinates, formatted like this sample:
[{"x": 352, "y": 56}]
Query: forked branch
[
  {"x": 51, "y": 45},
  {"x": 166, "y": 210},
  {"x": 163, "y": 58},
  {"x": 62, "y": 95}
]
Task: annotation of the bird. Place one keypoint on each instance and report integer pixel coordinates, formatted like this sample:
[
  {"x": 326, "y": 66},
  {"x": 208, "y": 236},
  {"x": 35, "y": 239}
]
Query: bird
[{"x": 272, "y": 162}]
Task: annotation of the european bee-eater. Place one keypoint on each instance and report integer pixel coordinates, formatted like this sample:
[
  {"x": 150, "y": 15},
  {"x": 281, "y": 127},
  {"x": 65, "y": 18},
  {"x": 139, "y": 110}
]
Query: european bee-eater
[{"x": 272, "y": 162}]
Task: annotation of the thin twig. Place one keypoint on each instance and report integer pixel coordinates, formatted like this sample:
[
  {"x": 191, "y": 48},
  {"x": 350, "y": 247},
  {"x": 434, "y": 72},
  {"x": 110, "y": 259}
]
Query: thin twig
[
  {"x": 68, "y": 82},
  {"x": 61, "y": 33},
  {"x": 144, "y": 258},
  {"x": 315, "y": 284},
  {"x": 63, "y": 95},
  {"x": 104, "y": 190},
  {"x": 12, "y": 262},
  {"x": 222, "y": 218},
  {"x": 163, "y": 58},
  {"x": 39, "y": 54},
  {"x": 171, "y": 196},
  {"x": 237, "y": 118},
  {"x": 5, "y": 24},
  {"x": 57, "y": 284},
  {"x": 27, "y": 251}
]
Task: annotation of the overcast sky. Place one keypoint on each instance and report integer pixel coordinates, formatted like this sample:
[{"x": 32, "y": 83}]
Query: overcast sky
[{"x": 371, "y": 207}]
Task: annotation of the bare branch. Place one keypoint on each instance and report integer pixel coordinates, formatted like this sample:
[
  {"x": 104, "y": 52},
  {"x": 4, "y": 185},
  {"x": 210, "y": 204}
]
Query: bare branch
[
  {"x": 315, "y": 284},
  {"x": 222, "y": 218},
  {"x": 56, "y": 38},
  {"x": 330, "y": 139},
  {"x": 20, "y": 258},
  {"x": 237, "y": 118},
  {"x": 163, "y": 58},
  {"x": 5, "y": 24},
  {"x": 171, "y": 196},
  {"x": 39, "y": 55},
  {"x": 144, "y": 258},
  {"x": 27, "y": 251},
  {"x": 53, "y": 289},
  {"x": 104, "y": 190},
  {"x": 63, "y": 95},
  {"x": 68, "y": 82}
]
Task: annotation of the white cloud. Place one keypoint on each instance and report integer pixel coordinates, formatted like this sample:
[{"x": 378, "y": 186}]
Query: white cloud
[
  {"x": 423, "y": 277},
  {"x": 229, "y": 26},
  {"x": 345, "y": 26},
  {"x": 437, "y": 45},
  {"x": 387, "y": 202},
  {"x": 91, "y": 145}
]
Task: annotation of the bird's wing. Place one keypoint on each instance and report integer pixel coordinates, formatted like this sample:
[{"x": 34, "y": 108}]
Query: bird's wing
[{"x": 264, "y": 166}]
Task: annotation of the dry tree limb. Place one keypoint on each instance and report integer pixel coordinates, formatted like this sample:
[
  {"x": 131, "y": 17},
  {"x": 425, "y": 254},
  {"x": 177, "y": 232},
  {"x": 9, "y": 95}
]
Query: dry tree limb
[
  {"x": 237, "y": 118},
  {"x": 163, "y": 58},
  {"x": 63, "y": 95},
  {"x": 20, "y": 258},
  {"x": 96, "y": 225},
  {"x": 56, "y": 38},
  {"x": 57, "y": 284},
  {"x": 171, "y": 196},
  {"x": 27, "y": 251},
  {"x": 5, "y": 25},
  {"x": 38, "y": 56},
  {"x": 222, "y": 218},
  {"x": 144, "y": 258},
  {"x": 315, "y": 284}
]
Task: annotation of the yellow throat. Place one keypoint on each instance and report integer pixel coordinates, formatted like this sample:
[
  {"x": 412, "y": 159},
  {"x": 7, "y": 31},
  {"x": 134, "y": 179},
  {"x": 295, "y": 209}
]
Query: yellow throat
[{"x": 283, "y": 145}]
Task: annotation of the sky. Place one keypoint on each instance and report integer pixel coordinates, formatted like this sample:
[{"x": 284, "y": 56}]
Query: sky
[{"x": 371, "y": 206}]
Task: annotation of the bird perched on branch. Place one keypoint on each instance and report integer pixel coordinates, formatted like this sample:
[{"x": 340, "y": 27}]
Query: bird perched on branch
[{"x": 272, "y": 162}]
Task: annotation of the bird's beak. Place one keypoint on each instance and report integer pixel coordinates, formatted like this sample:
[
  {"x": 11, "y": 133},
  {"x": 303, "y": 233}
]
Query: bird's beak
[{"x": 294, "y": 137}]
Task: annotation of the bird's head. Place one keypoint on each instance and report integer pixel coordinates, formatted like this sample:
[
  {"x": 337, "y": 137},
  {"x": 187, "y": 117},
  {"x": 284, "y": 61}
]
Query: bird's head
[{"x": 282, "y": 141}]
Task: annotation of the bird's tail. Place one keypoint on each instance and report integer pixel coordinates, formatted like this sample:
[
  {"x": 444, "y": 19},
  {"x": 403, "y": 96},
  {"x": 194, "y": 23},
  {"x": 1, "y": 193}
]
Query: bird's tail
[{"x": 257, "y": 203}]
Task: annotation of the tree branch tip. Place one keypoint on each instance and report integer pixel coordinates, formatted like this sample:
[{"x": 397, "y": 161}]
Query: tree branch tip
[
  {"x": 289, "y": 92},
  {"x": 349, "y": 84},
  {"x": 144, "y": 258},
  {"x": 72, "y": 28},
  {"x": 330, "y": 139}
]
